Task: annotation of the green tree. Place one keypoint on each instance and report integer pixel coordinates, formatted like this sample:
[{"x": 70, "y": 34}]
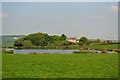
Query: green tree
[
  {"x": 63, "y": 37},
  {"x": 38, "y": 39},
  {"x": 27, "y": 44},
  {"x": 56, "y": 40},
  {"x": 18, "y": 42},
  {"x": 83, "y": 40},
  {"x": 42, "y": 39},
  {"x": 98, "y": 40}
]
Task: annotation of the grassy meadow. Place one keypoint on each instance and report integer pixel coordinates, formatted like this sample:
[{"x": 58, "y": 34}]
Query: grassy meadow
[
  {"x": 108, "y": 46},
  {"x": 59, "y": 65}
]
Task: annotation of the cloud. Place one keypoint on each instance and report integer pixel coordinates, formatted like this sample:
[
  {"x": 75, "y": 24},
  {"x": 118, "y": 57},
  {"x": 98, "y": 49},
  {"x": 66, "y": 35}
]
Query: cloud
[
  {"x": 114, "y": 8},
  {"x": 3, "y": 15}
]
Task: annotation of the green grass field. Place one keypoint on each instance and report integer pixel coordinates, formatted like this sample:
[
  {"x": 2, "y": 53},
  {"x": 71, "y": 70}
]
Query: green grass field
[
  {"x": 109, "y": 46},
  {"x": 59, "y": 65}
]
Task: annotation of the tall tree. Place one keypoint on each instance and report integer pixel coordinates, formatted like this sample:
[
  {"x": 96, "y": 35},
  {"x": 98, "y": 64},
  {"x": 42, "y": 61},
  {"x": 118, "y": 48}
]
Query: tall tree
[
  {"x": 63, "y": 37},
  {"x": 83, "y": 40},
  {"x": 37, "y": 38}
]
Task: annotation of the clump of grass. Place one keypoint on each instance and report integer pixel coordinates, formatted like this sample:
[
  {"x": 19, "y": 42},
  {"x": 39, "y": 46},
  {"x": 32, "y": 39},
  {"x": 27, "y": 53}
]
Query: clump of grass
[
  {"x": 45, "y": 53},
  {"x": 79, "y": 52},
  {"x": 33, "y": 53}
]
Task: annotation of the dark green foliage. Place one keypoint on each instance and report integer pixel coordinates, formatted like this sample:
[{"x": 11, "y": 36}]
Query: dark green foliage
[
  {"x": 83, "y": 39},
  {"x": 18, "y": 42},
  {"x": 27, "y": 44},
  {"x": 98, "y": 40},
  {"x": 37, "y": 39},
  {"x": 45, "y": 41},
  {"x": 55, "y": 40},
  {"x": 42, "y": 39},
  {"x": 63, "y": 37}
]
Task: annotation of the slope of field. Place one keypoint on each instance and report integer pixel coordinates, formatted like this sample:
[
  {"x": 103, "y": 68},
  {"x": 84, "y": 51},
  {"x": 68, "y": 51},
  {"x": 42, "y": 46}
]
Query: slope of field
[
  {"x": 8, "y": 40},
  {"x": 60, "y": 65},
  {"x": 109, "y": 46}
]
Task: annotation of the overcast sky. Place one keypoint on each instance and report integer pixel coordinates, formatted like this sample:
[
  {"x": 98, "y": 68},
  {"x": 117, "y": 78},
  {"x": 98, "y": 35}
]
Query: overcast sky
[{"x": 90, "y": 19}]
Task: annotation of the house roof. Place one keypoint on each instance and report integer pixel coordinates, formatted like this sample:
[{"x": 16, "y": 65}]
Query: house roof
[{"x": 71, "y": 38}]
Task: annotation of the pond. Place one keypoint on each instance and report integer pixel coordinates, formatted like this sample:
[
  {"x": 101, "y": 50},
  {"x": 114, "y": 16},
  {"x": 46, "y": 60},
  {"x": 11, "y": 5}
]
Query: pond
[{"x": 39, "y": 51}]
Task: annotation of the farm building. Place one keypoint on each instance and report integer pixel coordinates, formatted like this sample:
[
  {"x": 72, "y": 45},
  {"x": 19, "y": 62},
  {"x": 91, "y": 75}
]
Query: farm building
[{"x": 73, "y": 40}]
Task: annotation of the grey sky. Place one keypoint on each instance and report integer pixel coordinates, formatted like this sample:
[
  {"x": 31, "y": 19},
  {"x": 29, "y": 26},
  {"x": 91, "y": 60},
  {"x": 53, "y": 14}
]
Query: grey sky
[{"x": 90, "y": 19}]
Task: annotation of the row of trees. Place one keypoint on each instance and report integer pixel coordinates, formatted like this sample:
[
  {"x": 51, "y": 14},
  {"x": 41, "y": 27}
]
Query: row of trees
[
  {"x": 38, "y": 40},
  {"x": 41, "y": 39}
]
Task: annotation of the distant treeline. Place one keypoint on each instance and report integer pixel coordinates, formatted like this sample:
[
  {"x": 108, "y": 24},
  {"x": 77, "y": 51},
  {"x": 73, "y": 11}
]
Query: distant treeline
[
  {"x": 45, "y": 41},
  {"x": 40, "y": 40},
  {"x": 12, "y": 35}
]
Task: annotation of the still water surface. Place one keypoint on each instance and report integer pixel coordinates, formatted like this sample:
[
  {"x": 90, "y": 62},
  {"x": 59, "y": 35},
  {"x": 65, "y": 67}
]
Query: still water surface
[{"x": 39, "y": 51}]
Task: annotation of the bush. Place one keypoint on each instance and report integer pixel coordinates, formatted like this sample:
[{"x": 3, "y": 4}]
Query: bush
[
  {"x": 27, "y": 44},
  {"x": 78, "y": 52},
  {"x": 33, "y": 53}
]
